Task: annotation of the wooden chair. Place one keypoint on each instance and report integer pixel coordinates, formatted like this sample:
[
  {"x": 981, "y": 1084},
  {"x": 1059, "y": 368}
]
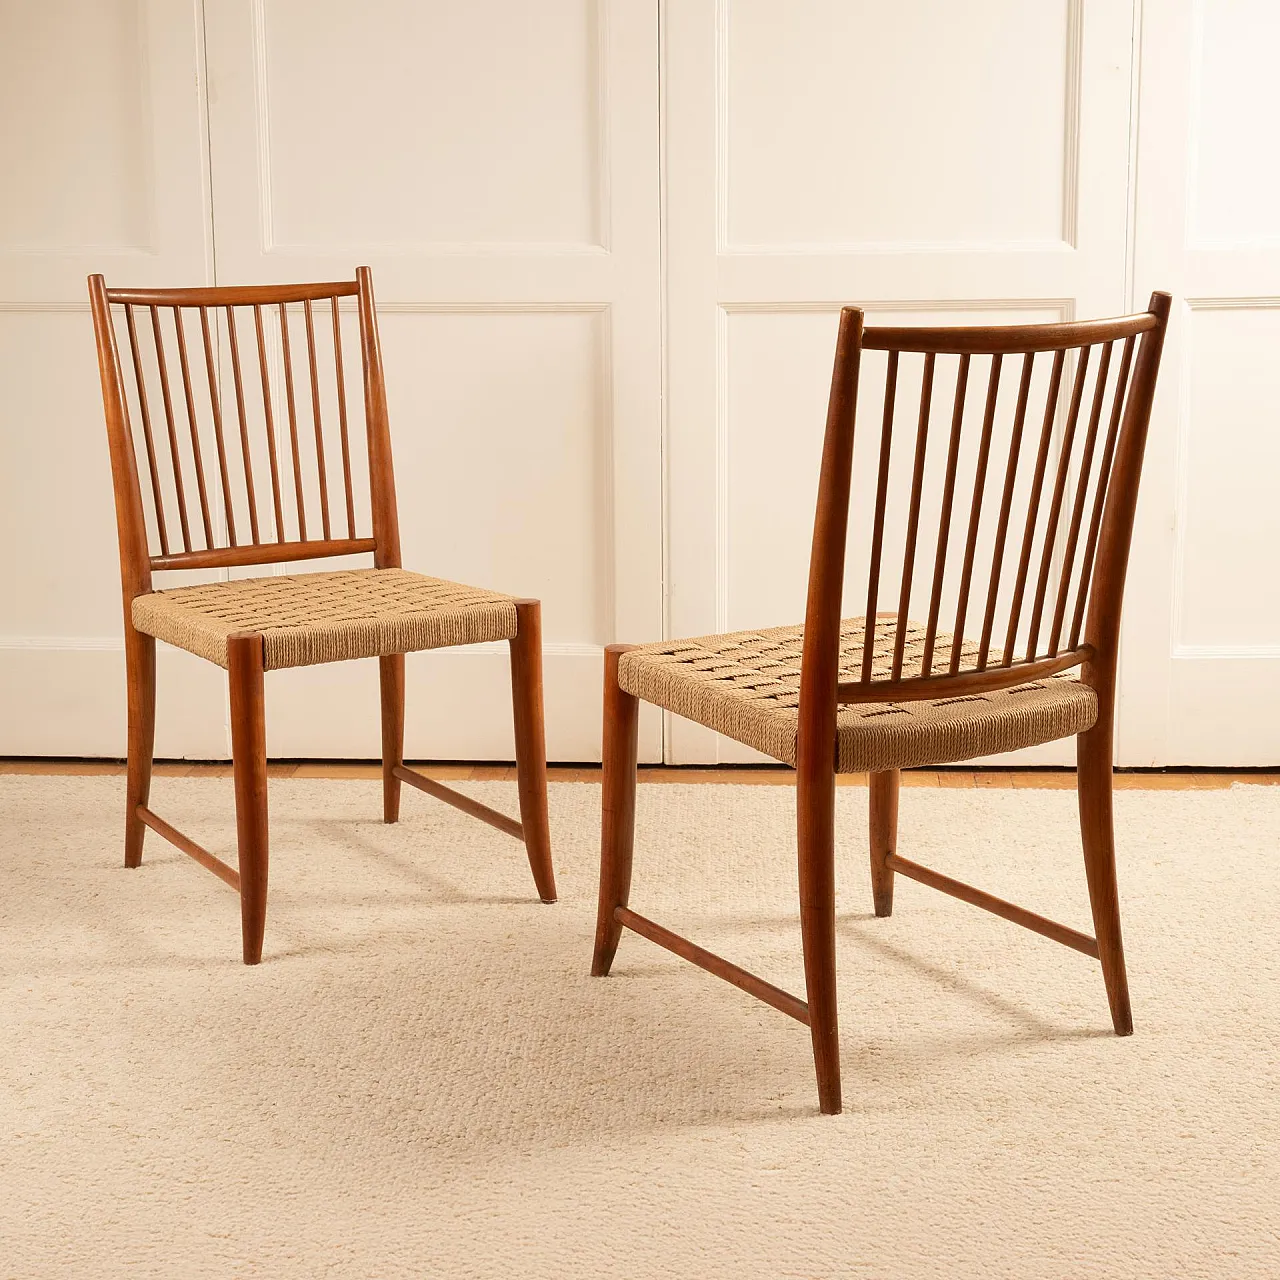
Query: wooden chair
[
  {"x": 290, "y": 513},
  {"x": 881, "y": 693}
]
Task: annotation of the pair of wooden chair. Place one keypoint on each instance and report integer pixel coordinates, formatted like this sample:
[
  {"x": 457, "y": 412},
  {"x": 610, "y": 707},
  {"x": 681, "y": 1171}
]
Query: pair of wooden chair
[{"x": 876, "y": 693}]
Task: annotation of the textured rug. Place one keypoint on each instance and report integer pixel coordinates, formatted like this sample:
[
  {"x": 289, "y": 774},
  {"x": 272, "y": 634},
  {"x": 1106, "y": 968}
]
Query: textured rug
[{"x": 421, "y": 1079}]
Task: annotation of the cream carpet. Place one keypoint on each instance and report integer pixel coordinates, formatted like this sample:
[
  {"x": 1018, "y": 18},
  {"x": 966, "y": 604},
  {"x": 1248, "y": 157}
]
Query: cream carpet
[{"x": 421, "y": 1079}]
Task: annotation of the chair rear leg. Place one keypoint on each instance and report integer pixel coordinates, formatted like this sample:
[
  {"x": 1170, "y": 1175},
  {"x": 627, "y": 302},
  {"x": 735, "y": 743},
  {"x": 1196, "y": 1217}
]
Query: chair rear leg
[
  {"x": 1093, "y": 755},
  {"x": 618, "y": 808},
  {"x": 815, "y": 822},
  {"x": 531, "y": 744},
  {"x": 391, "y": 677},
  {"x": 140, "y": 668},
  {"x": 884, "y": 788},
  {"x": 249, "y": 764}
]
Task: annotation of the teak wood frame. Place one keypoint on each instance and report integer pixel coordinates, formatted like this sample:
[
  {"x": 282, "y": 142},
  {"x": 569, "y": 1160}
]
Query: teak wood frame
[
  {"x": 1100, "y": 586},
  {"x": 245, "y": 651}
]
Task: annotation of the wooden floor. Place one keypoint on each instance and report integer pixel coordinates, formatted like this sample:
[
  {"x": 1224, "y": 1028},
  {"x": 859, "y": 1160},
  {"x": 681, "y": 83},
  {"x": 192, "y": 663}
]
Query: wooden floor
[{"x": 1137, "y": 779}]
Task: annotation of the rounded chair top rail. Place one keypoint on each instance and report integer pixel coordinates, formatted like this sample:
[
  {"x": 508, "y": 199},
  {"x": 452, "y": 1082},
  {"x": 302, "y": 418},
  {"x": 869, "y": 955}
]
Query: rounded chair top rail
[
  {"x": 1011, "y": 339},
  {"x": 235, "y": 295}
]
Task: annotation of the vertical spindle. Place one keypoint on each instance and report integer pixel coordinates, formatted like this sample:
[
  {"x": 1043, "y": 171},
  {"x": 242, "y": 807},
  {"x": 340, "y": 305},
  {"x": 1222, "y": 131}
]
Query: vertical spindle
[
  {"x": 944, "y": 523},
  {"x": 1100, "y": 490},
  {"x": 152, "y": 466},
  {"x": 215, "y": 404},
  {"x": 342, "y": 421},
  {"x": 877, "y": 529},
  {"x": 913, "y": 518},
  {"x": 172, "y": 426},
  {"x": 1055, "y": 502},
  {"x": 1033, "y": 509},
  {"x": 245, "y": 452},
  {"x": 269, "y": 417},
  {"x": 293, "y": 422},
  {"x": 975, "y": 510},
  {"x": 1006, "y": 507}
]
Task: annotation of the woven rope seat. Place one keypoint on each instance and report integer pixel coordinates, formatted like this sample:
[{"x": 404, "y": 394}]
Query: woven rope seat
[
  {"x": 746, "y": 684},
  {"x": 310, "y": 618}
]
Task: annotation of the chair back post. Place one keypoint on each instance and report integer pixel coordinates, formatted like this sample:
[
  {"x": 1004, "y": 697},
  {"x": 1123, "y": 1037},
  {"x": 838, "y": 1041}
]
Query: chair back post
[
  {"x": 1102, "y": 625},
  {"x": 820, "y": 657},
  {"x": 382, "y": 483},
  {"x": 135, "y": 564}
]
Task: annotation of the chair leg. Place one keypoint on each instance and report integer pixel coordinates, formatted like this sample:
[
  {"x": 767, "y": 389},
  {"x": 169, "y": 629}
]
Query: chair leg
[
  {"x": 249, "y": 764},
  {"x": 815, "y": 822},
  {"x": 140, "y": 668},
  {"x": 884, "y": 836},
  {"x": 391, "y": 676},
  {"x": 1093, "y": 755},
  {"x": 618, "y": 808},
  {"x": 531, "y": 744}
]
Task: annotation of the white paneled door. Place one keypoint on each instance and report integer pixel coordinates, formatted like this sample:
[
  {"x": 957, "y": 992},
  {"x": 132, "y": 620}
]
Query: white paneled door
[
  {"x": 1202, "y": 658},
  {"x": 931, "y": 162},
  {"x": 104, "y": 162},
  {"x": 496, "y": 165}
]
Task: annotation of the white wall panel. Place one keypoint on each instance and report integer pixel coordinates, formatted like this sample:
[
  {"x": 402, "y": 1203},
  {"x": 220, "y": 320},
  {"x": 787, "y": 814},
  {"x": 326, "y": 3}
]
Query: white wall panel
[
  {"x": 954, "y": 163},
  {"x": 496, "y": 164},
  {"x": 1230, "y": 521},
  {"x": 74, "y": 102},
  {"x": 58, "y": 507},
  {"x": 105, "y": 160},
  {"x": 430, "y": 124},
  {"x": 499, "y": 423},
  {"x": 1201, "y": 677},
  {"x": 928, "y": 122},
  {"x": 500, "y": 428},
  {"x": 1235, "y": 193}
]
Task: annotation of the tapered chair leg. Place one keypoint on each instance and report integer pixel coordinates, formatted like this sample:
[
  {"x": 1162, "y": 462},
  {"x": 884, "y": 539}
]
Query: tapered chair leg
[
  {"x": 140, "y": 666},
  {"x": 1093, "y": 754},
  {"x": 531, "y": 744},
  {"x": 815, "y": 821},
  {"x": 618, "y": 808},
  {"x": 249, "y": 764},
  {"x": 391, "y": 676},
  {"x": 884, "y": 790}
]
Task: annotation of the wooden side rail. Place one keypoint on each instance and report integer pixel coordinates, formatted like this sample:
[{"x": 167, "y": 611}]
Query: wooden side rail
[
  {"x": 997, "y": 906},
  {"x": 415, "y": 779},
  {"x": 459, "y": 801},
  {"x": 988, "y": 680},
  {"x": 712, "y": 963},
  {"x": 264, "y": 553},
  {"x": 189, "y": 847}
]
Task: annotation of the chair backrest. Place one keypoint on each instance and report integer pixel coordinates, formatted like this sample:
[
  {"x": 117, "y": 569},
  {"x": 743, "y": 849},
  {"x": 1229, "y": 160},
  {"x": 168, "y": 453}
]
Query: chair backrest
[
  {"x": 1024, "y": 508},
  {"x": 249, "y": 459}
]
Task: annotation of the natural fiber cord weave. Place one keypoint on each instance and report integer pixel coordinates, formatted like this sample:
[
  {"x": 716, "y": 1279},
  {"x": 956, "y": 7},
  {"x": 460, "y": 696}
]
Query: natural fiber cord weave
[
  {"x": 326, "y": 617},
  {"x": 746, "y": 684}
]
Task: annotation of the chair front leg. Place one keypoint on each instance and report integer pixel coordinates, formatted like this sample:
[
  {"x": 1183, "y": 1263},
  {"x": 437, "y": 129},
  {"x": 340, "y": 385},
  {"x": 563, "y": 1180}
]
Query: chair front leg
[
  {"x": 249, "y": 764},
  {"x": 815, "y": 823},
  {"x": 140, "y": 669},
  {"x": 1097, "y": 833},
  {"x": 883, "y": 789},
  {"x": 618, "y": 808},
  {"x": 531, "y": 744},
  {"x": 391, "y": 677}
]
